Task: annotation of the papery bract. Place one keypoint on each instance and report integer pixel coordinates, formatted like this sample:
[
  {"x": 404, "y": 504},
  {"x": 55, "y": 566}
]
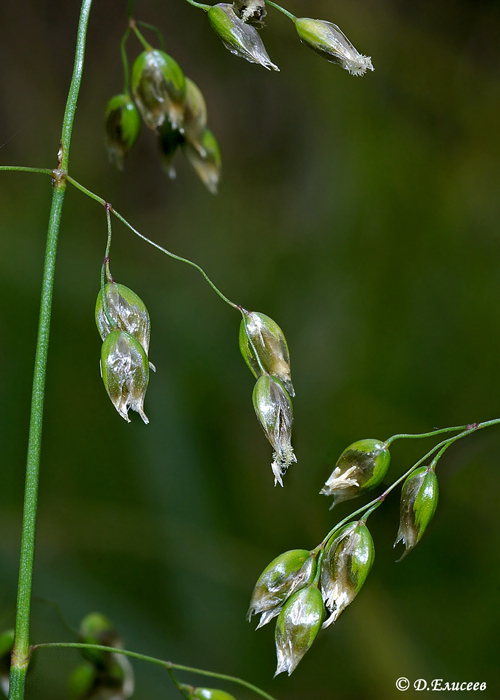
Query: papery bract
[
  {"x": 297, "y": 626},
  {"x": 360, "y": 467},
  {"x": 125, "y": 373},
  {"x": 195, "y": 115},
  {"x": 264, "y": 348},
  {"x": 347, "y": 561},
  {"x": 330, "y": 42},
  {"x": 127, "y": 310},
  {"x": 239, "y": 38},
  {"x": 419, "y": 499},
  {"x": 122, "y": 128},
  {"x": 286, "y": 574},
  {"x": 159, "y": 89},
  {"x": 273, "y": 407},
  {"x": 205, "y": 159}
]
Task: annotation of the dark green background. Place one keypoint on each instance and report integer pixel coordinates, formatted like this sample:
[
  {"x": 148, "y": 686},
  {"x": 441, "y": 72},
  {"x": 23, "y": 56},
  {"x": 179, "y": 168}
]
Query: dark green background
[{"x": 363, "y": 216}]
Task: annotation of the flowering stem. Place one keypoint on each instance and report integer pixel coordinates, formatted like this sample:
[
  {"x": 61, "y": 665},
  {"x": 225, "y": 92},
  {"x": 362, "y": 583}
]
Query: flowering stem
[
  {"x": 155, "y": 245},
  {"x": 281, "y": 9},
  {"x": 159, "y": 662},
  {"x": 21, "y": 651}
]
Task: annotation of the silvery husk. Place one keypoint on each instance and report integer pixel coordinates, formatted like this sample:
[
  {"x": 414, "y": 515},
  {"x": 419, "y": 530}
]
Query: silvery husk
[
  {"x": 211, "y": 694},
  {"x": 251, "y": 11},
  {"x": 96, "y": 628},
  {"x": 109, "y": 675},
  {"x": 264, "y": 348},
  {"x": 297, "y": 626},
  {"x": 169, "y": 140},
  {"x": 6, "y": 646},
  {"x": 286, "y": 574},
  {"x": 239, "y": 38},
  {"x": 347, "y": 561},
  {"x": 159, "y": 89},
  {"x": 419, "y": 499},
  {"x": 114, "y": 681},
  {"x": 361, "y": 467},
  {"x": 125, "y": 373},
  {"x": 273, "y": 407},
  {"x": 195, "y": 116},
  {"x": 330, "y": 42},
  {"x": 205, "y": 159},
  {"x": 123, "y": 124},
  {"x": 127, "y": 310}
]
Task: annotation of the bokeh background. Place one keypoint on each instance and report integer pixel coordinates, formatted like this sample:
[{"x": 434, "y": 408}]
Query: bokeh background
[{"x": 363, "y": 216}]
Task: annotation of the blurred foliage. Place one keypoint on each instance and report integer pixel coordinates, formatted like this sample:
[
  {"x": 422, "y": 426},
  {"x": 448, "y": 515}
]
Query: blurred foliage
[{"x": 360, "y": 214}]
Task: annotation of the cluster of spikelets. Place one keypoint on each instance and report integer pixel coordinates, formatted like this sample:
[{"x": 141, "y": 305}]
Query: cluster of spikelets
[
  {"x": 308, "y": 590},
  {"x": 123, "y": 323},
  {"x": 237, "y": 23},
  {"x": 109, "y": 674},
  {"x": 103, "y": 674},
  {"x": 171, "y": 105}
]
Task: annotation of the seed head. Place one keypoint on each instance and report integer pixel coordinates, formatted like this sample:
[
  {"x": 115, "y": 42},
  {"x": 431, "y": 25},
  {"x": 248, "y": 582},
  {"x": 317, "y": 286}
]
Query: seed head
[
  {"x": 361, "y": 467},
  {"x": 239, "y": 38},
  {"x": 97, "y": 629},
  {"x": 330, "y": 42},
  {"x": 273, "y": 407},
  {"x": 347, "y": 561},
  {"x": 122, "y": 128},
  {"x": 286, "y": 574},
  {"x": 264, "y": 348},
  {"x": 195, "y": 115},
  {"x": 127, "y": 310},
  {"x": 297, "y": 626},
  {"x": 206, "y": 159},
  {"x": 159, "y": 89},
  {"x": 6, "y": 646},
  {"x": 125, "y": 373},
  {"x": 211, "y": 694},
  {"x": 251, "y": 11},
  {"x": 419, "y": 499},
  {"x": 169, "y": 140}
]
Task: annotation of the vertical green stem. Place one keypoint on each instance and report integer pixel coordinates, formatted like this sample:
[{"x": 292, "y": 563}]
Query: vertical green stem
[{"x": 21, "y": 651}]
